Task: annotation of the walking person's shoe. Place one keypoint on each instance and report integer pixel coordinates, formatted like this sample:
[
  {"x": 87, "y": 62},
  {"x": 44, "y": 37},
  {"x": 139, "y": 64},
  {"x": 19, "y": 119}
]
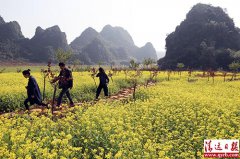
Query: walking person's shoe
[
  {"x": 45, "y": 105},
  {"x": 72, "y": 105},
  {"x": 54, "y": 108},
  {"x": 57, "y": 107},
  {"x": 96, "y": 99},
  {"x": 27, "y": 108}
]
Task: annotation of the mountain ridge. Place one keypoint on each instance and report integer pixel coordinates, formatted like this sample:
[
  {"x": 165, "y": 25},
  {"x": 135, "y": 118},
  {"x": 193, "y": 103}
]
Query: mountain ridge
[
  {"x": 112, "y": 44},
  {"x": 206, "y": 39}
]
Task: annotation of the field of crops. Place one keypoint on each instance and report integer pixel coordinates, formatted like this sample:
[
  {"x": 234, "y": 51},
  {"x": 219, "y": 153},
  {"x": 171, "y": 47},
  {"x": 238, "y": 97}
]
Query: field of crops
[
  {"x": 13, "y": 92},
  {"x": 168, "y": 120}
]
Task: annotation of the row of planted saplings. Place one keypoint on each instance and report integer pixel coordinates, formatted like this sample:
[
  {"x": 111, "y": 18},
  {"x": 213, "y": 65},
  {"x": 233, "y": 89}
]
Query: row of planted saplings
[{"x": 208, "y": 74}]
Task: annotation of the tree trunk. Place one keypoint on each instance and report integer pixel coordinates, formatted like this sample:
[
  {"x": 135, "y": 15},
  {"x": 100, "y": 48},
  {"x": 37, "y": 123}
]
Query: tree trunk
[
  {"x": 54, "y": 95},
  {"x": 44, "y": 87}
]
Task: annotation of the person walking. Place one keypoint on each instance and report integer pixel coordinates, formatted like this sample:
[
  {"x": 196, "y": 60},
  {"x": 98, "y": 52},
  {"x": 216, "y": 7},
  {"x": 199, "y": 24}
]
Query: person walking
[
  {"x": 33, "y": 91},
  {"x": 65, "y": 81},
  {"x": 103, "y": 82}
]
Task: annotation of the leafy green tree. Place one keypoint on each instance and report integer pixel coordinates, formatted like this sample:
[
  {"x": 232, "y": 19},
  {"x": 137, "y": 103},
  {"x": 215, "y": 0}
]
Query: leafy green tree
[
  {"x": 180, "y": 66},
  {"x": 63, "y": 56},
  {"x": 148, "y": 62},
  {"x": 76, "y": 62},
  {"x": 234, "y": 67},
  {"x": 133, "y": 64},
  {"x": 100, "y": 63},
  {"x": 112, "y": 64},
  {"x": 201, "y": 41}
]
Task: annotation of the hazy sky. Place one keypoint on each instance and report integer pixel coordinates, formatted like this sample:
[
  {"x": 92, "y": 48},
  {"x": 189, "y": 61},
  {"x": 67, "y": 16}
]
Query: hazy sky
[{"x": 145, "y": 20}]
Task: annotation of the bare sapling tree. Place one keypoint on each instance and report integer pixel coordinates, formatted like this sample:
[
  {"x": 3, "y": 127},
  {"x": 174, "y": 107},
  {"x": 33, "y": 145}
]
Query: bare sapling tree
[
  {"x": 93, "y": 75},
  {"x": 168, "y": 74},
  {"x": 189, "y": 73},
  {"x": 212, "y": 74},
  {"x": 152, "y": 78},
  {"x": 134, "y": 78},
  {"x": 110, "y": 74},
  {"x": 51, "y": 77}
]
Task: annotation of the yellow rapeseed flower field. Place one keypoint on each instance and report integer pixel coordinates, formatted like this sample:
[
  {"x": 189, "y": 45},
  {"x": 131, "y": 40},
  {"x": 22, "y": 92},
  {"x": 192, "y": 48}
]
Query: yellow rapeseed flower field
[
  {"x": 13, "y": 92},
  {"x": 168, "y": 120}
]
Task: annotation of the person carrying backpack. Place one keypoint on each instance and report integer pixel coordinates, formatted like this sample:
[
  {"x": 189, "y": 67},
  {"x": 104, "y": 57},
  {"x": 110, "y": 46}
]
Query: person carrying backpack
[{"x": 65, "y": 81}]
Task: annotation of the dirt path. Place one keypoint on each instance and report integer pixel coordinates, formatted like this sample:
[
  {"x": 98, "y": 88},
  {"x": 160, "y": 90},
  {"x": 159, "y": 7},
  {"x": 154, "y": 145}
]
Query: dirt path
[{"x": 123, "y": 94}]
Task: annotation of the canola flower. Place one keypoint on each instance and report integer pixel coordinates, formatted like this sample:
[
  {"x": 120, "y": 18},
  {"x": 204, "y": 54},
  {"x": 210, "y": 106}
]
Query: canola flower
[
  {"x": 13, "y": 91},
  {"x": 169, "y": 120}
]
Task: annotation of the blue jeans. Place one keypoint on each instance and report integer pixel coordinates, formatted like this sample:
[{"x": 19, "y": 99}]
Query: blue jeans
[{"x": 63, "y": 91}]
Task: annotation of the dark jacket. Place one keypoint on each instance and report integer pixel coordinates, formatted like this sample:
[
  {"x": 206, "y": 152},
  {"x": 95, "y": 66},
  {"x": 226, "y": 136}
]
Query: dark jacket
[
  {"x": 66, "y": 79},
  {"x": 33, "y": 90},
  {"x": 103, "y": 78}
]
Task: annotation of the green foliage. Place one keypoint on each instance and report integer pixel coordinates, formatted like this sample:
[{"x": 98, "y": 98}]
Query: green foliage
[
  {"x": 235, "y": 55},
  {"x": 76, "y": 62},
  {"x": 202, "y": 40},
  {"x": 13, "y": 92},
  {"x": 180, "y": 65},
  {"x": 100, "y": 63},
  {"x": 148, "y": 62},
  {"x": 133, "y": 64},
  {"x": 63, "y": 56},
  {"x": 234, "y": 66},
  {"x": 169, "y": 120}
]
